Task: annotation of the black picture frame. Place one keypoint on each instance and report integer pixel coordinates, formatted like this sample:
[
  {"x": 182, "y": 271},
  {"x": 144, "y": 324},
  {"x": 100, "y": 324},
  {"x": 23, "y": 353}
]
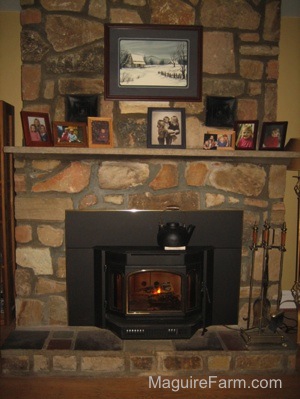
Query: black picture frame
[
  {"x": 163, "y": 133},
  {"x": 220, "y": 111},
  {"x": 79, "y": 108},
  {"x": 273, "y": 136},
  {"x": 137, "y": 62},
  {"x": 246, "y": 134}
]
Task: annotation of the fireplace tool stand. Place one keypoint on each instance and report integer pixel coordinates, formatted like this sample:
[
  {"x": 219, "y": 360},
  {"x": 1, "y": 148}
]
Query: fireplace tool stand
[
  {"x": 265, "y": 324},
  {"x": 296, "y": 287}
]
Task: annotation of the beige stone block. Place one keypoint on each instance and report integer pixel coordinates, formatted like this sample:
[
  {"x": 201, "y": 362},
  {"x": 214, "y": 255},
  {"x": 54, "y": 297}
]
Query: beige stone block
[
  {"x": 260, "y": 361},
  {"x": 24, "y": 280},
  {"x": 29, "y": 312},
  {"x": 123, "y": 16},
  {"x": 23, "y": 234},
  {"x": 41, "y": 364},
  {"x": 277, "y": 181},
  {"x": 102, "y": 364},
  {"x": 38, "y": 259},
  {"x": 49, "y": 286},
  {"x": 72, "y": 179},
  {"x": 87, "y": 201},
  {"x": 64, "y": 363},
  {"x": 45, "y": 165},
  {"x": 76, "y": 31},
  {"x": 61, "y": 267},
  {"x": 174, "y": 12},
  {"x": 175, "y": 363},
  {"x": 218, "y": 53},
  {"x": 121, "y": 175},
  {"x": 167, "y": 177},
  {"x": 219, "y": 363},
  {"x": 14, "y": 364},
  {"x": 246, "y": 179},
  {"x": 195, "y": 173},
  {"x": 186, "y": 200},
  {"x": 50, "y": 236},
  {"x": 141, "y": 363},
  {"x": 57, "y": 306},
  {"x": 140, "y": 107},
  {"x": 42, "y": 208},
  {"x": 114, "y": 199},
  {"x": 212, "y": 200}
]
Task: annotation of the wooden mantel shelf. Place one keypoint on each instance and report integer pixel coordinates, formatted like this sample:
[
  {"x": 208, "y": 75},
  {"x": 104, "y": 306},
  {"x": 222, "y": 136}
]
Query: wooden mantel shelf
[{"x": 245, "y": 156}]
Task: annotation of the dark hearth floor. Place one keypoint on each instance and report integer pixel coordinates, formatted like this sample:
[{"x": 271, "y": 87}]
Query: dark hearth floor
[{"x": 95, "y": 339}]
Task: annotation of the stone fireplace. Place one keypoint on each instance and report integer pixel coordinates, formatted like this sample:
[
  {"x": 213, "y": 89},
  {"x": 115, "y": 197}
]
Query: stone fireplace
[{"x": 240, "y": 59}]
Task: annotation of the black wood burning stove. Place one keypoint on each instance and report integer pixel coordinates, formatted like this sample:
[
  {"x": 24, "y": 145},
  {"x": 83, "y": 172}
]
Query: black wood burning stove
[
  {"x": 154, "y": 294},
  {"x": 113, "y": 280}
]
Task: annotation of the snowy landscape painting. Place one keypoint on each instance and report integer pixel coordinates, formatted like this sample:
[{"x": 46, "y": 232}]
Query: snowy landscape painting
[
  {"x": 157, "y": 63},
  {"x": 153, "y": 62}
]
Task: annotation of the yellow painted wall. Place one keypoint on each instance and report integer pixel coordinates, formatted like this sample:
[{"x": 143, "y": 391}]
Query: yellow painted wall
[
  {"x": 288, "y": 103},
  {"x": 289, "y": 110},
  {"x": 10, "y": 65}
]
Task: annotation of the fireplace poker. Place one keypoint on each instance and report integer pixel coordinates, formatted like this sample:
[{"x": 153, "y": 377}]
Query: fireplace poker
[
  {"x": 282, "y": 250},
  {"x": 253, "y": 248},
  {"x": 261, "y": 306}
]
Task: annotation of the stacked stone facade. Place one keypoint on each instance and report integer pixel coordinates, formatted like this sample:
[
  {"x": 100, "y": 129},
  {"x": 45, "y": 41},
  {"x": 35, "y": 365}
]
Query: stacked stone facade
[{"x": 62, "y": 46}]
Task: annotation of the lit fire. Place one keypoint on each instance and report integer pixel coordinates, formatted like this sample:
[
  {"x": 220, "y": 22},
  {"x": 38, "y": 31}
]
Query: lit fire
[{"x": 158, "y": 291}]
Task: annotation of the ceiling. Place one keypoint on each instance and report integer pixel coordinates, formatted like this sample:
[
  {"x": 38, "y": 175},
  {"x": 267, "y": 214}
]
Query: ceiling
[{"x": 289, "y": 8}]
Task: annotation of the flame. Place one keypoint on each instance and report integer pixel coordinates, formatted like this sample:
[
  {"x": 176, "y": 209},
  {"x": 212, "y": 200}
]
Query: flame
[{"x": 158, "y": 291}]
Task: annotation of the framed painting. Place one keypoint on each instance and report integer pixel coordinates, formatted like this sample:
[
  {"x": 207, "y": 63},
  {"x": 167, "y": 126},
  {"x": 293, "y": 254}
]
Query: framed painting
[
  {"x": 153, "y": 62},
  {"x": 246, "y": 134},
  {"x": 219, "y": 139},
  {"x": 36, "y": 129},
  {"x": 69, "y": 134},
  {"x": 166, "y": 128},
  {"x": 273, "y": 136},
  {"x": 100, "y": 132}
]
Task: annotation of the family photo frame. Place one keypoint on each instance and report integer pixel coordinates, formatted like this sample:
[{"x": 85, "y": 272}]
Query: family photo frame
[
  {"x": 36, "y": 129},
  {"x": 166, "y": 128},
  {"x": 219, "y": 139},
  {"x": 246, "y": 134},
  {"x": 273, "y": 136},
  {"x": 69, "y": 134},
  {"x": 153, "y": 62},
  {"x": 100, "y": 132}
]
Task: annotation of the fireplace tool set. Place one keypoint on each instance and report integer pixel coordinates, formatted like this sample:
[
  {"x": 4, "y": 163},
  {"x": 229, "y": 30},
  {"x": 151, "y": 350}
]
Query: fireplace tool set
[{"x": 264, "y": 329}]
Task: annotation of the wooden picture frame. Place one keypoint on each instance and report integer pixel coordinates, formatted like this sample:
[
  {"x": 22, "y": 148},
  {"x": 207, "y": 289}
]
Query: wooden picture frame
[
  {"x": 273, "y": 136},
  {"x": 219, "y": 139},
  {"x": 100, "y": 132},
  {"x": 166, "y": 128},
  {"x": 246, "y": 134},
  {"x": 153, "y": 62},
  {"x": 69, "y": 134},
  {"x": 36, "y": 129}
]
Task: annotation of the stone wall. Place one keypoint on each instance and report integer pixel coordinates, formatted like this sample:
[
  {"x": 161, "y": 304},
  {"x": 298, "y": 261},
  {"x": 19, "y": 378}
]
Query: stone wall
[
  {"x": 62, "y": 46},
  {"x": 46, "y": 188},
  {"x": 62, "y": 51}
]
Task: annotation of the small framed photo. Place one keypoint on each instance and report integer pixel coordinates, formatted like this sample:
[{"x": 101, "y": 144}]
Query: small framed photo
[
  {"x": 166, "y": 128},
  {"x": 219, "y": 139},
  {"x": 246, "y": 134},
  {"x": 69, "y": 134},
  {"x": 36, "y": 129},
  {"x": 220, "y": 111},
  {"x": 100, "y": 132},
  {"x": 273, "y": 136}
]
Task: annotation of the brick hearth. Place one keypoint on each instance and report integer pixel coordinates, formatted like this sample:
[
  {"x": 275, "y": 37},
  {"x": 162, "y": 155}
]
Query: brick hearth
[{"x": 96, "y": 352}]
